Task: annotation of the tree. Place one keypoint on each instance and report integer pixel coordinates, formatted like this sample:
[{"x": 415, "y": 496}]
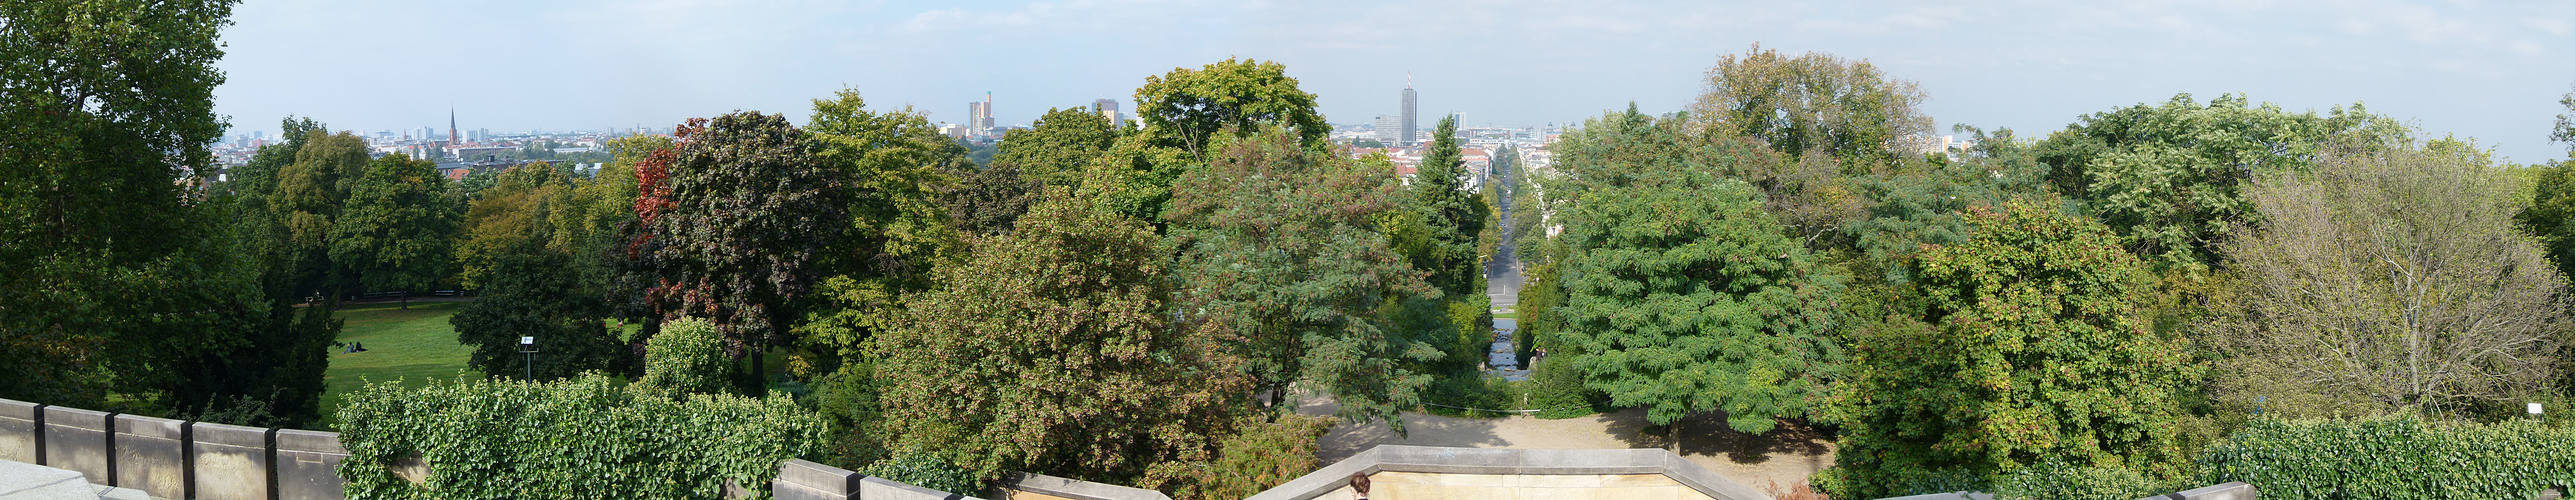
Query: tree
[
  {"x": 107, "y": 117},
  {"x": 2565, "y": 131},
  {"x": 1186, "y": 108},
  {"x": 898, "y": 170},
  {"x": 2384, "y": 279},
  {"x": 2032, "y": 346},
  {"x": 396, "y": 229},
  {"x": 2168, "y": 177},
  {"x": 1054, "y": 150},
  {"x": 1279, "y": 255},
  {"x": 736, "y": 221},
  {"x": 1813, "y": 103},
  {"x": 1683, "y": 296},
  {"x": 536, "y": 292},
  {"x": 1453, "y": 217},
  {"x": 1052, "y": 349},
  {"x": 2550, "y": 217}
]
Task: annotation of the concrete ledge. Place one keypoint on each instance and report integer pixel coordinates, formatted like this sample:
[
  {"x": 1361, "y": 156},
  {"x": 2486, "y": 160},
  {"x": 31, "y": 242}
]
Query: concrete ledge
[
  {"x": 26, "y": 480},
  {"x": 1074, "y": 488},
  {"x": 307, "y": 465},
  {"x": 877, "y": 488},
  {"x": 228, "y": 462},
  {"x": 1500, "y": 461},
  {"x": 22, "y": 433},
  {"x": 78, "y": 440},
  {"x": 799, "y": 479},
  {"x": 152, "y": 455},
  {"x": 2221, "y": 491}
]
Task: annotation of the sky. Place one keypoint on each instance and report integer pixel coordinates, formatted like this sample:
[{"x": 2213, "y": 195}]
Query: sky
[{"x": 2492, "y": 71}]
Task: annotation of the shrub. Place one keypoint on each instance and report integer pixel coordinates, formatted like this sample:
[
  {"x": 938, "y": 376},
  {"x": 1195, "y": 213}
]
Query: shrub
[
  {"x": 577, "y": 438},
  {"x": 2395, "y": 458},
  {"x": 1470, "y": 393},
  {"x": 1556, "y": 391},
  {"x": 2060, "y": 481},
  {"x": 686, "y": 357},
  {"x": 1262, "y": 456},
  {"x": 926, "y": 471}
]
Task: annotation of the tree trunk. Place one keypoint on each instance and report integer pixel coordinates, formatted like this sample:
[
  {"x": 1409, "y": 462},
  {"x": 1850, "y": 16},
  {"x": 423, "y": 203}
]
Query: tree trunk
[
  {"x": 1675, "y": 431},
  {"x": 406, "y": 300}
]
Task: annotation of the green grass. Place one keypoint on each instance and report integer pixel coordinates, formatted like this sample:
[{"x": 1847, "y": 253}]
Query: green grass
[{"x": 413, "y": 346}]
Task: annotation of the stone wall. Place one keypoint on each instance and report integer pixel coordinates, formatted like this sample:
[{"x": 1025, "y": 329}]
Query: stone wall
[
  {"x": 180, "y": 459},
  {"x": 1430, "y": 472}
]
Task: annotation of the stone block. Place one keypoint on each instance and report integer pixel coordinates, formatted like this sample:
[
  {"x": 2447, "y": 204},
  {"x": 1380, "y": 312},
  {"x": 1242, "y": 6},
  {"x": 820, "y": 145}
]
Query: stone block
[
  {"x": 2221, "y": 491},
  {"x": 308, "y": 464},
  {"x": 152, "y": 455},
  {"x": 228, "y": 462},
  {"x": 78, "y": 440},
  {"x": 803, "y": 480},
  {"x": 1057, "y": 487},
  {"x": 877, "y": 488},
  {"x": 21, "y": 431}
]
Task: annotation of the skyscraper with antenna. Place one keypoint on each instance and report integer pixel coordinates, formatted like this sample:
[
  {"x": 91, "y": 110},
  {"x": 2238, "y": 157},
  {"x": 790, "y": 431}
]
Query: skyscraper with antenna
[{"x": 1412, "y": 118}]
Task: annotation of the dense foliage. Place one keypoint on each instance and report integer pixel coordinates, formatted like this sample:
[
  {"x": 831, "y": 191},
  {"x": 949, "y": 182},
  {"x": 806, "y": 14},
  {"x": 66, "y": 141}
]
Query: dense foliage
[
  {"x": 2033, "y": 347},
  {"x": 1051, "y": 350},
  {"x": 2396, "y": 457},
  {"x": 580, "y": 438},
  {"x": 1681, "y": 294},
  {"x": 1279, "y": 257}
]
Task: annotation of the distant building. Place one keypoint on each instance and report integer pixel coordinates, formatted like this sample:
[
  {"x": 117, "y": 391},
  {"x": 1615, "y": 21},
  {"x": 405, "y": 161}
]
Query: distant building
[
  {"x": 1390, "y": 130},
  {"x": 1108, "y": 108},
  {"x": 1412, "y": 117}
]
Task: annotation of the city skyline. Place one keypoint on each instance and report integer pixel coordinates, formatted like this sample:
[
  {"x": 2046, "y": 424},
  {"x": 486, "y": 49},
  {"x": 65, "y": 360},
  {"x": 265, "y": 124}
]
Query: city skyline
[{"x": 2487, "y": 71}]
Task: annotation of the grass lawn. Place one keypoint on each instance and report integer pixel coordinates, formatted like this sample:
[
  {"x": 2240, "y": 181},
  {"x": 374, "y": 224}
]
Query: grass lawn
[{"x": 412, "y": 346}]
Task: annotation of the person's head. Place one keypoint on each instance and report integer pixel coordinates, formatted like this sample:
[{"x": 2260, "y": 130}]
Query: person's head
[{"x": 1359, "y": 483}]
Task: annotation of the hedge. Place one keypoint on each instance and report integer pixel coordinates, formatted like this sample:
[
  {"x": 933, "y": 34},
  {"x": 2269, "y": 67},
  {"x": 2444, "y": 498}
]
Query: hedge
[
  {"x": 2395, "y": 458},
  {"x": 585, "y": 437}
]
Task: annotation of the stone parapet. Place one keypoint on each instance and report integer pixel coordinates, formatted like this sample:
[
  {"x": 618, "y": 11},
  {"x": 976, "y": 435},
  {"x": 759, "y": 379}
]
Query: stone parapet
[
  {"x": 79, "y": 440},
  {"x": 229, "y": 462},
  {"x": 307, "y": 465},
  {"x": 21, "y": 431},
  {"x": 152, "y": 455}
]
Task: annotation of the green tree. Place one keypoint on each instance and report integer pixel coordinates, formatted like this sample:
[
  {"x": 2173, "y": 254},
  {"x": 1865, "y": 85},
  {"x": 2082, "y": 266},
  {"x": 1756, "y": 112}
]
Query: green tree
[
  {"x": 2033, "y": 346},
  {"x": 897, "y": 173},
  {"x": 396, "y": 229},
  {"x": 2168, "y": 177},
  {"x": 1683, "y": 297},
  {"x": 2388, "y": 279},
  {"x": 117, "y": 272},
  {"x": 1452, "y": 216},
  {"x": 1054, "y": 151},
  {"x": 1279, "y": 254},
  {"x": 2565, "y": 131},
  {"x": 1187, "y": 108},
  {"x": 2550, "y": 217},
  {"x": 536, "y": 292},
  {"x": 737, "y": 221},
  {"x": 1812, "y": 103},
  {"x": 1051, "y": 349}
]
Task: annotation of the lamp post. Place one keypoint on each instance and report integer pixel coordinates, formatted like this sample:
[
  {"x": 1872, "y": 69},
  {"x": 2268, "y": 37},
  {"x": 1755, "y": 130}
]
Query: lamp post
[{"x": 527, "y": 348}]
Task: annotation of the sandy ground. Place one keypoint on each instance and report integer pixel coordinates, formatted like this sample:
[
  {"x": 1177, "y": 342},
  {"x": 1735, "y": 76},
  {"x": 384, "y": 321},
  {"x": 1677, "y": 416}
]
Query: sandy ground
[{"x": 1784, "y": 456}]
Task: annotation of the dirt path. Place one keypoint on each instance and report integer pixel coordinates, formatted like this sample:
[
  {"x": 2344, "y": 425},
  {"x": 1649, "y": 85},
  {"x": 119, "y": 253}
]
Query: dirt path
[{"x": 1785, "y": 456}]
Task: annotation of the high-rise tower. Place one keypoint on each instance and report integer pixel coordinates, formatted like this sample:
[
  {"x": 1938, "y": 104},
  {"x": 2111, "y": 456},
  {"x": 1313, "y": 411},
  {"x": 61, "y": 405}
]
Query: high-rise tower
[{"x": 1412, "y": 119}]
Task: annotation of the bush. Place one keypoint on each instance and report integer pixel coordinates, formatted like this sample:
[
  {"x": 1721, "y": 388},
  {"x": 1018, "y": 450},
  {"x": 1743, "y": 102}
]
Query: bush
[
  {"x": 687, "y": 356},
  {"x": 2060, "y": 481},
  {"x": 1470, "y": 393},
  {"x": 2396, "y": 458},
  {"x": 1556, "y": 391},
  {"x": 1262, "y": 456},
  {"x": 577, "y": 438},
  {"x": 927, "y": 472}
]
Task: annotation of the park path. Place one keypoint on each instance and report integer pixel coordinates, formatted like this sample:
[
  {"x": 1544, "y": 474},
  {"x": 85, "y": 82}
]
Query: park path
[{"x": 1785, "y": 456}]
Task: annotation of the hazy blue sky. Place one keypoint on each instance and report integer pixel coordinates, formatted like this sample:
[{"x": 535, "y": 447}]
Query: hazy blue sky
[{"x": 2491, "y": 70}]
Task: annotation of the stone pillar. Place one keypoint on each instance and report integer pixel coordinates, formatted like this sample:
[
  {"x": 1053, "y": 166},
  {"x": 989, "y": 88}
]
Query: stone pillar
[
  {"x": 78, "y": 440},
  {"x": 802, "y": 480},
  {"x": 152, "y": 455},
  {"x": 308, "y": 465},
  {"x": 228, "y": 462},
  {"x": 22, "y": 432}
]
